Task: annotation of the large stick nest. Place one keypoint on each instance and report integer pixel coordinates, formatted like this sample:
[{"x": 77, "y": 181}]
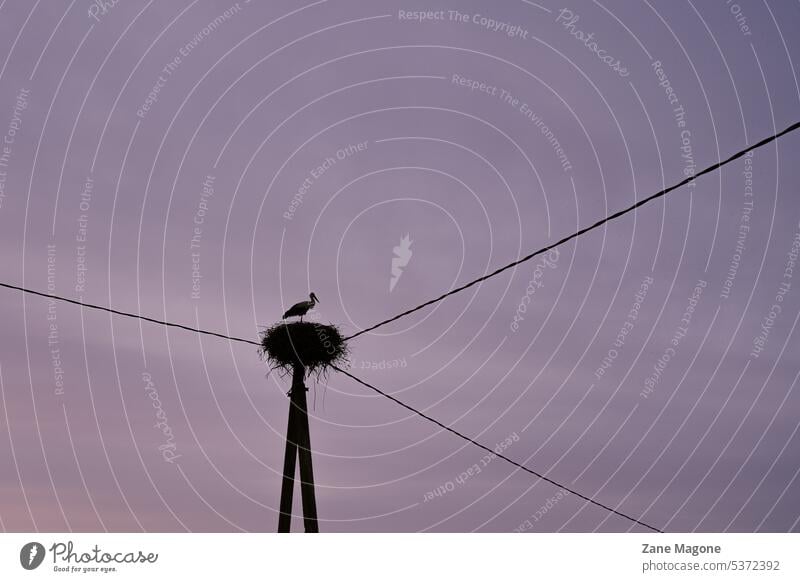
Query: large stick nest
[{"x": 312, "y": 345}]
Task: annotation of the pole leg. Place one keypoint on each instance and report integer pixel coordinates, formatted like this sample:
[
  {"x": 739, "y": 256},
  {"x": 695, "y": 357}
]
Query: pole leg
[
  {"x": 304, "y": 452},
  {"x": 289, "y": 463},
  {"x": 307, "y": 476}
]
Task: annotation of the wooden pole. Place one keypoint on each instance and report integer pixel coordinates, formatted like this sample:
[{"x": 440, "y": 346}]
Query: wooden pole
[
  {"x": 289, "y": 461},
  {"x": 306, "y": 468},
  {"x": 298, "y": 443}
]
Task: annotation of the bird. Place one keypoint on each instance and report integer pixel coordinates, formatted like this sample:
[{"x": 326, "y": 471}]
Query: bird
[{"x": 302, "y": 307}]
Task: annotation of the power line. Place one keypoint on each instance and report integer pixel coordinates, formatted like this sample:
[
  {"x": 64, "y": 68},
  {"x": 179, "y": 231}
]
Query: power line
[
  {"x": 580, "y": 232},
  {"x": 127, "y": 314},
  {"x": 500, "y": 455},
  {"x": 382, "y": 393}
]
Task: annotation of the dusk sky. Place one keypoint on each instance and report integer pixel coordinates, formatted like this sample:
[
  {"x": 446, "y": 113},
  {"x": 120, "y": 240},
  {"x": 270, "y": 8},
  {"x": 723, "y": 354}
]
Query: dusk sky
[{"x": 210, "y": 163}]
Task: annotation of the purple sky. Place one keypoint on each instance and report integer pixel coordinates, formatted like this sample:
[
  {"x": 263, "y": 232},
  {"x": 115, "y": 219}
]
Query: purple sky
[{"x": 203, "y": 129}]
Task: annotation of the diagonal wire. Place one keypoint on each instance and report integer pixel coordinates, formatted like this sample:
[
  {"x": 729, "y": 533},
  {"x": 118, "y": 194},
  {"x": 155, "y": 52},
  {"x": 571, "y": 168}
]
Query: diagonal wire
[
  {"x": 597, "y": 224},
  {"x": 485, "y": 448},
  {"x": 127, "y": 314}
]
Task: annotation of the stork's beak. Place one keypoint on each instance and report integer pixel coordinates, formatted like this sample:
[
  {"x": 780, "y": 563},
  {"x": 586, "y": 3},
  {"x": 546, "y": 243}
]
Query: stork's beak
[{"x": 315, "y": 298}]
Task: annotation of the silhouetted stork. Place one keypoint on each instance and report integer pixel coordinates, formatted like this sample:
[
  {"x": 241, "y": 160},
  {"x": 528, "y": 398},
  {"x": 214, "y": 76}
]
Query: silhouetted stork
[{"x": 301, "y": 308}]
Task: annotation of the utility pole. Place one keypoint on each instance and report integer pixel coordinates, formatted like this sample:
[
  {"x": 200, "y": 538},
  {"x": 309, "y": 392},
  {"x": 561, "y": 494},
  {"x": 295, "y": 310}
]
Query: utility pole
[{"x": 298, "y": 444}]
